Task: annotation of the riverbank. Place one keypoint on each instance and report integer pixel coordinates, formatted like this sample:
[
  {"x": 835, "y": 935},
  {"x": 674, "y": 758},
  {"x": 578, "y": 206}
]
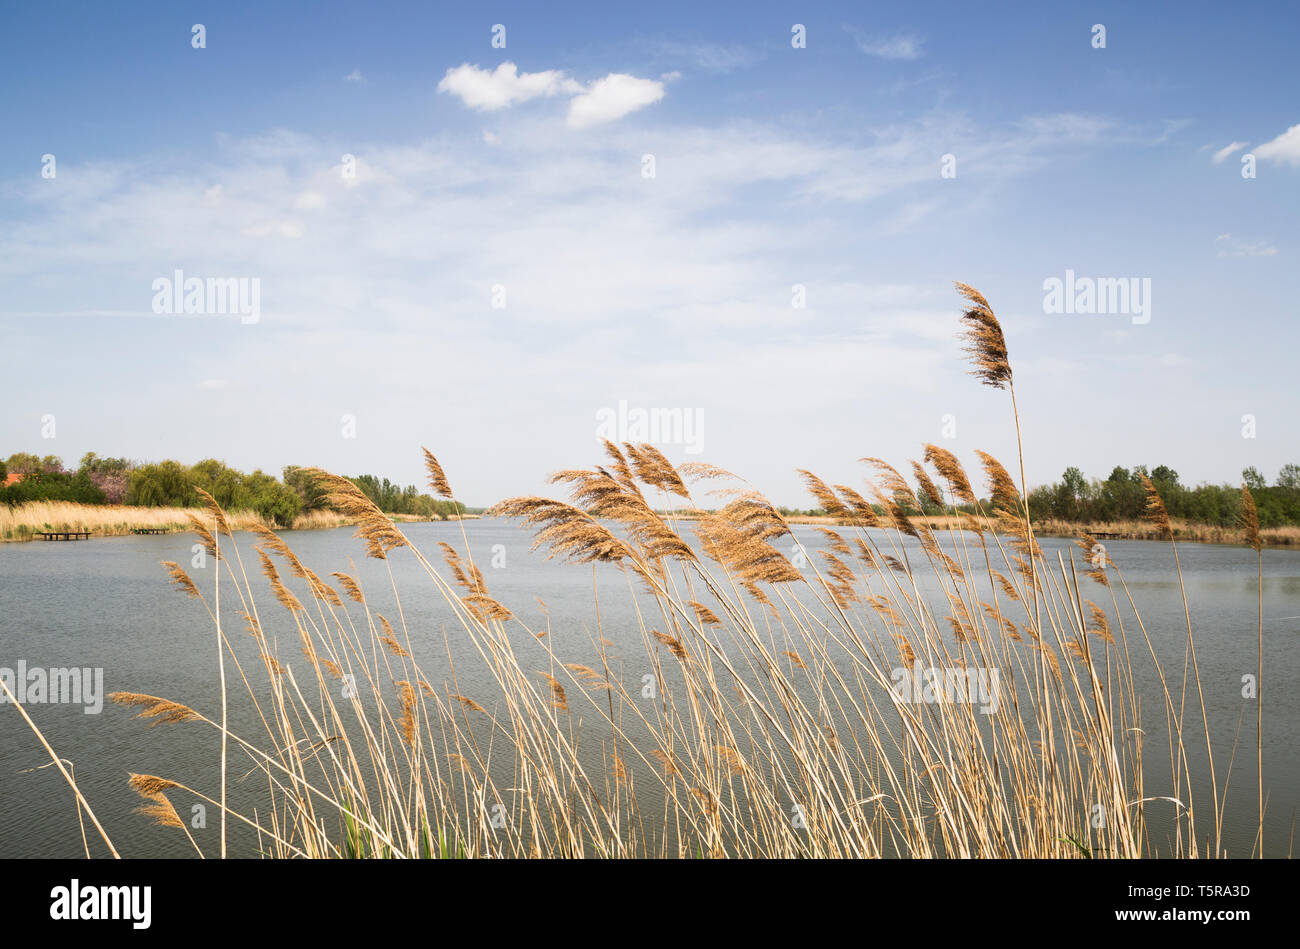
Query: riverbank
[
  {"x": 19, "y": 523},
  {"x": 1184, "y": 531}
]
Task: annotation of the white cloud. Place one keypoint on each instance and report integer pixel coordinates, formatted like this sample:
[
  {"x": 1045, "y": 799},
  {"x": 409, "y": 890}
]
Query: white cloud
[
  {"x": 309, "y": 201},
  {"x": 666, "y": 293},
  {"x": 1236, "y": 247},
  {"x": 900, "y": 46},
  {"x": 612, "y": 98},
  {"x": 354, "y": 76},
  {"x": 1227, "y": 150},
  {"x": 1283, "y": 149},
  {"x": 604, "y": 100},
  {"x": 505, "y": 86}
]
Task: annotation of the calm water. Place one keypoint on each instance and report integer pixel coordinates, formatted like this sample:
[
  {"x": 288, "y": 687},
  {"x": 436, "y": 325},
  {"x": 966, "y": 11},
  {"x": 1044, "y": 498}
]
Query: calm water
[{"x": 107, "y": 603}]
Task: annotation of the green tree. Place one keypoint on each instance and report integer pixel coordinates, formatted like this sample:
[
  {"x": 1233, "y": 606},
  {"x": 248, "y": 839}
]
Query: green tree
[
  {"x": 274, "y": 501},
  {"x": 1289, "y": 477},
  {"x": 1075, "y": 483},
  {"x": 1254, "y": 480},
  {"x": 41, "y": 485},
  {"x": 96, "y": 465},
  {"x": 22, "y": 462},
  {"x": 224, "y": 483},
  {"x": 164, "y": 484},
  {"x": 1163, "y": 474},
  {"x": 311, "y": 495},
  {"x": 1121, "y": 495}
]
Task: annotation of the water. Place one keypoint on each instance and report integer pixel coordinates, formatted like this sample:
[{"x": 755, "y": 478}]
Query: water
[{"x": 106, "y": 603}]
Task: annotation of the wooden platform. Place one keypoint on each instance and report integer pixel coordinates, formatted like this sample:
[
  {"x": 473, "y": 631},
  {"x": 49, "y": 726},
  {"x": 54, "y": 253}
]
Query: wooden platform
[{"x": 62, "y": 535}]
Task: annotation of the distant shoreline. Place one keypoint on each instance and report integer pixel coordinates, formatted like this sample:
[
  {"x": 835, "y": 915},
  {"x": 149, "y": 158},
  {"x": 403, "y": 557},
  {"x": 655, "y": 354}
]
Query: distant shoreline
[
  {"x": 1184, "y": 532},
  {"x": 22, "y": 522}
]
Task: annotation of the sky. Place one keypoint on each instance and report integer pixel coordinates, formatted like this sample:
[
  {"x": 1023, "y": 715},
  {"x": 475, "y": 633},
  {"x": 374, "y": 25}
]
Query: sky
[{"x": 504, "y": 231}]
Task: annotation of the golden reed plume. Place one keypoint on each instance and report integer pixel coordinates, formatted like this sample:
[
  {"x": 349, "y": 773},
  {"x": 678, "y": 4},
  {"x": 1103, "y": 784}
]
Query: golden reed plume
[
  {"x": 950, "y": 469},
  {"x": 180, "y": 578},
  {"x": 985, "y": 345},
  {"x": 162, "y": 711},
  {"x": 214, "y": 509},
  {"x": 151, "y": 788},
  {"x": 1250, "y": 518},
  {"x": 1155, "y": 509},
  {"x": 437, "y": 480}
]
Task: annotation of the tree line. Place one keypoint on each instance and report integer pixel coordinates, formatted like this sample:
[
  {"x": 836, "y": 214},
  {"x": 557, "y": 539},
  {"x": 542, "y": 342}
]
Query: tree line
[
  {"x": 1122, "y": 497},
  {"x": 98, "y": 480}
]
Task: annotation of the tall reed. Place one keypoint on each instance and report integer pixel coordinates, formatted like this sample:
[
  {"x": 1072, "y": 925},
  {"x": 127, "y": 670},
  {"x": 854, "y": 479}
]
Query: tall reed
[{"x": 917, "y": 688}]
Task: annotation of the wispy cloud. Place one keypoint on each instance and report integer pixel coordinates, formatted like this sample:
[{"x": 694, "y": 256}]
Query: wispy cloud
[
  {"x": 1067, "y": 127},
  {"x": 904, "y": 46},
  {"x": 1229, "y": 246},
  {"x": 354, "y": 76},
  {"x": 1219, "y": 156},
  {"x": 540, "y": 221},
  {"x": 604, "y": 270},
  {"x": 1172, "y": 127},
  {"x": 710, "y": 57}
]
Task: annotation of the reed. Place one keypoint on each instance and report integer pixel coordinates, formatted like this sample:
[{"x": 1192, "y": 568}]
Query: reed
[
  {"x": 1250, "y": 527},
  {"x": 776, "y": 722}
]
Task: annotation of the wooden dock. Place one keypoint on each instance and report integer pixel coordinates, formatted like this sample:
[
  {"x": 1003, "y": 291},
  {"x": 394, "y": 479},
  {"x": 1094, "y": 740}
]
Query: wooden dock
[
  {"x": 62, "y": 535},
  {"x": 150, "y": 530}
]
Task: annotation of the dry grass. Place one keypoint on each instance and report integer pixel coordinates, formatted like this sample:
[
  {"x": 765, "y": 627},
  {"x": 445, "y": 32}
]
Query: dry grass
[
  {"x": 775, "y": 728},
  {"x": 1183, "y": 530},
  {"x": 110, "y": 520},
  {"x": 1188, "y": 531}
]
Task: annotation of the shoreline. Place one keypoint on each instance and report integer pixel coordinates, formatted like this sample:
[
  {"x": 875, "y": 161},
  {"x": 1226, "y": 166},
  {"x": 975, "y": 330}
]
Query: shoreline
[
  {"x": 1184, "y": 531},
  {"x": 20, "y": 524}
]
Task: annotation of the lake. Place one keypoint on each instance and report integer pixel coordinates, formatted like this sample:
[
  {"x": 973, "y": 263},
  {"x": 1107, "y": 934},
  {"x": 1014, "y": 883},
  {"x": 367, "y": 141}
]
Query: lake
[{"x": 107, "y": 604}]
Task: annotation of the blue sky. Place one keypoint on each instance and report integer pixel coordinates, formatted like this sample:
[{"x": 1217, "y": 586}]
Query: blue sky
[{"x": 774, "y": 166}]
